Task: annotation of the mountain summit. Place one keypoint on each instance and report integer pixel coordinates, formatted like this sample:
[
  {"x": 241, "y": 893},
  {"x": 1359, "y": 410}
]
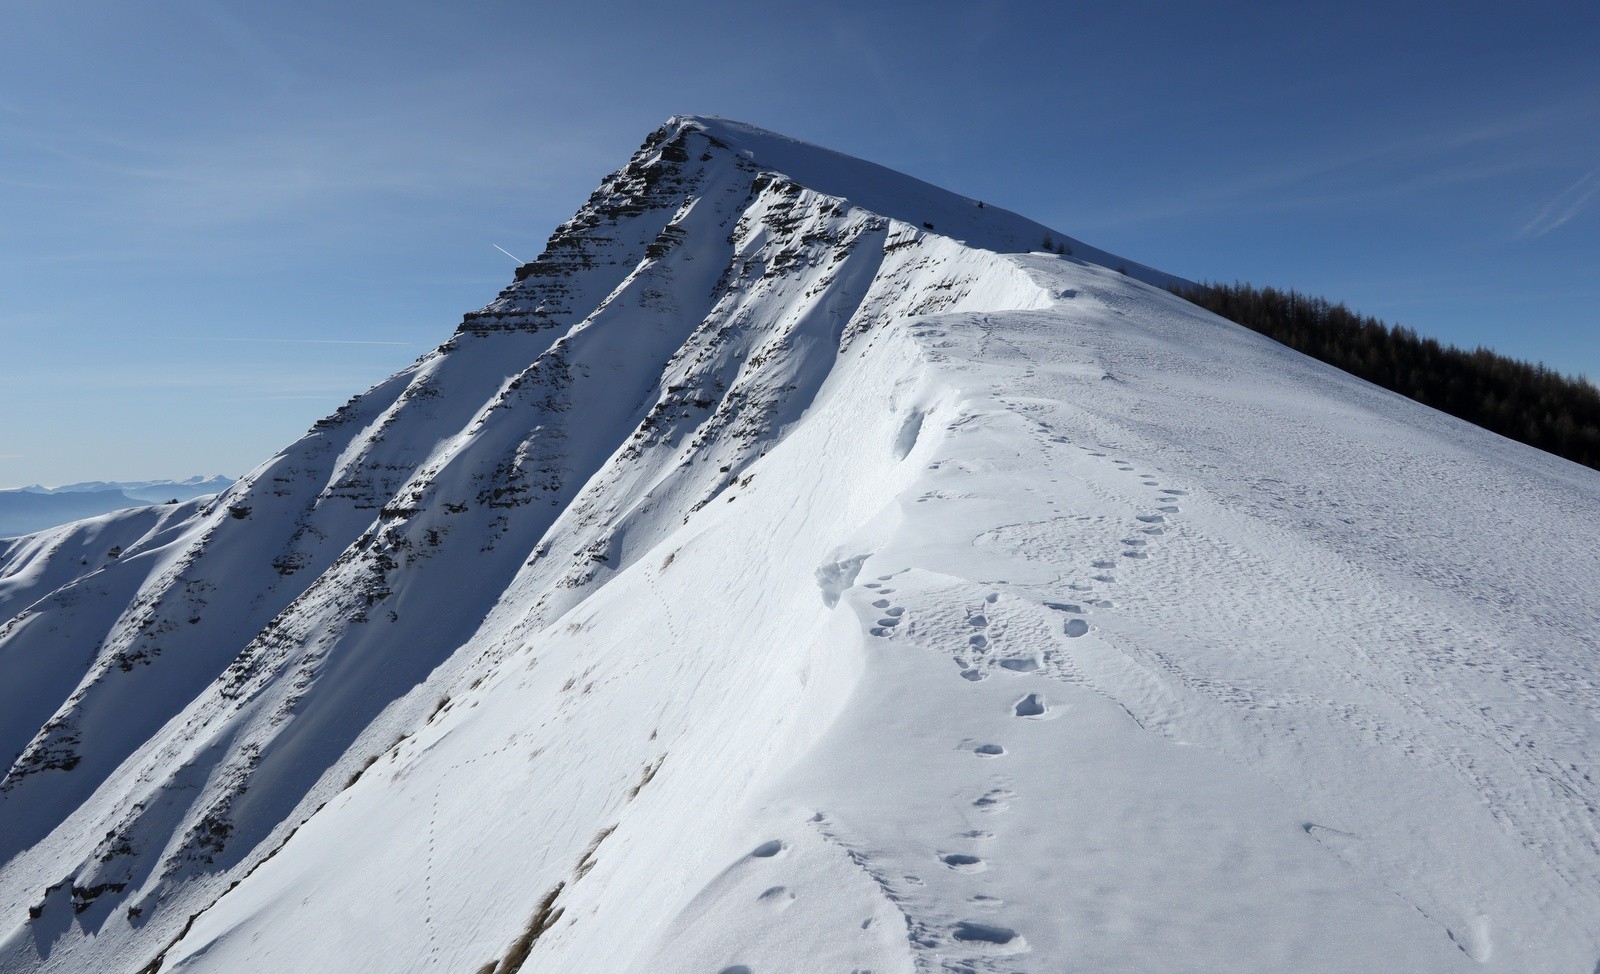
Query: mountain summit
[{"x": 802, "y": 568}]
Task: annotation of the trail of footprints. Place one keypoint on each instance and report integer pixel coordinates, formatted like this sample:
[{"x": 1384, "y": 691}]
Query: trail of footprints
[{"x": 978, "y": 942}]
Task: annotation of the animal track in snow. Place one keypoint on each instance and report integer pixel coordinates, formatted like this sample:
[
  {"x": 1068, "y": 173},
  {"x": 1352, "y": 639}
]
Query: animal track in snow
[
  {"x": 768, "y": 849},
  {"x": 979, "y": 642},
  {"x": 1076, "y": 628},
  {"x": 988, "y": 750},
  {"x": 1020, "y": 664}
]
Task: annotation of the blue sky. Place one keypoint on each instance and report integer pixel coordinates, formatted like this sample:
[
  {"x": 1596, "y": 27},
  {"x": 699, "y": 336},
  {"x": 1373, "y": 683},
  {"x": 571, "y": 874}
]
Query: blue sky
[{"x": 219, "y": 220}]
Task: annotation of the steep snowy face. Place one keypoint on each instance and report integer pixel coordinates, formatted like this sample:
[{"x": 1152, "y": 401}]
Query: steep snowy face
[
  {"x": 790, "y": 570},
  {"x": 182, "y": 686}
]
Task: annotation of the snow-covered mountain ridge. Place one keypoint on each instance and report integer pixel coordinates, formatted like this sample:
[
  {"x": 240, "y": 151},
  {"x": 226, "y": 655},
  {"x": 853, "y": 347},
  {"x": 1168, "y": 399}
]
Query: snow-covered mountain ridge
[{"x": 793, "y": 571}]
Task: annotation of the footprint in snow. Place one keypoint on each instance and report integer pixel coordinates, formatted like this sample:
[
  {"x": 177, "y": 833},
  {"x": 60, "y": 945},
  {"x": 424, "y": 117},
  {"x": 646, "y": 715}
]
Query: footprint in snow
[
  {"x": 979, "y": 642},
  {"x": 776, "y": 898},
  {"x": 768, "y": 849},
  {"x": 994, "y": 800},
  {"x": 1151, "y": 518},
  {"x": 966, "y": 931},
  {"x": 1074, "y": 629},
  {"x": 1103, "y": 563},
  {"x": 1020, "y": 664},
  {"x": 963, "y": 863},
  {"x": 978, "y": 621},
  {"x": 988, "y": 750},
  {"x": 1031, "y": 706}
]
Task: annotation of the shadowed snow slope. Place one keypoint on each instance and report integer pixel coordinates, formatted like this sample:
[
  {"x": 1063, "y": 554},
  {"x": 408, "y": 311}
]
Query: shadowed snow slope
[{"x": 791, "y": 572}]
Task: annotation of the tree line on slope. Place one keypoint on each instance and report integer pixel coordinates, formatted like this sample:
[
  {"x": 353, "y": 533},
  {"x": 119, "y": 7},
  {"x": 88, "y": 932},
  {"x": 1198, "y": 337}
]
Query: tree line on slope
[{"x": 1530, "y": 403}]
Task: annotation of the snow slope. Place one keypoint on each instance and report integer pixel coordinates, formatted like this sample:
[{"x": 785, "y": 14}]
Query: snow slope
[{"x": 766, "y": 581}]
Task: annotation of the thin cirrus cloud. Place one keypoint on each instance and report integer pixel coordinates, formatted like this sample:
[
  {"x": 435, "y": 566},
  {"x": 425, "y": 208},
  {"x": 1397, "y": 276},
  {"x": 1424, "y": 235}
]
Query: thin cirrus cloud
[
  {"x": 1332, "y": 176},
  {"x": 1566, "y": 205},
  {"x": 300, "y": 341}
]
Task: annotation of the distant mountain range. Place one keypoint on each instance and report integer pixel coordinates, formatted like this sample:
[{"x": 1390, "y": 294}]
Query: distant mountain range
[{"x": 34, "y": 508}]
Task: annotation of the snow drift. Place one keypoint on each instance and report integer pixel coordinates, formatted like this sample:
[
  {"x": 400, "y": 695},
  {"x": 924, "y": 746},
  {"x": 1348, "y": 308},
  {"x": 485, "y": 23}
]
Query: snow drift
[{"x": 797, "y": 569}]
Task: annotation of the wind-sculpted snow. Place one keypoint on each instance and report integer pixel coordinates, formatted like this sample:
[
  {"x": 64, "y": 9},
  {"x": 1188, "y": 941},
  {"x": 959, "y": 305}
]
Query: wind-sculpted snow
[{"x": 789, "y": 572}]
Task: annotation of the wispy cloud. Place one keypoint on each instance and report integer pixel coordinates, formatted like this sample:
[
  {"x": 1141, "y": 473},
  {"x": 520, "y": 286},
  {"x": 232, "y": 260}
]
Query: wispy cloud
[
  {"x": 1397, "y": 165},
  {"x": 302, "y": 341},
  {"x": 1566, "y": 205}
]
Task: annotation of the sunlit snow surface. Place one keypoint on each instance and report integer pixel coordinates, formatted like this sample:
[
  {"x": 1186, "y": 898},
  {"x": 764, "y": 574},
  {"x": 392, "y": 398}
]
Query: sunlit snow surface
[{"x": 767, "y": 583}]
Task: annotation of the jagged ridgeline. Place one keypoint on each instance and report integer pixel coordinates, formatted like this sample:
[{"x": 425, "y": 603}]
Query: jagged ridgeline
[{"x": 1533, "y": 404}]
